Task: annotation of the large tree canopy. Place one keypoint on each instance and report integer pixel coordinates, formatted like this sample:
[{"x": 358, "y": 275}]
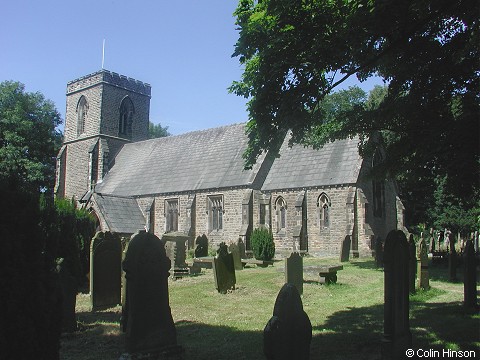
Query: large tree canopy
[
  {"x": 295, "y": 52},
  {"x": 28, "y": 138}
]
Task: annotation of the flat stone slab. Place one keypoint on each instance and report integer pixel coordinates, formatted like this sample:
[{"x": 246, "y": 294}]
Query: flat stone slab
[
  {"x": 261, "y": 263},
  {"x": 204, "y": 261}
]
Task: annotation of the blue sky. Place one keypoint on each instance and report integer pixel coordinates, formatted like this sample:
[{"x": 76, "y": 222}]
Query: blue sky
[{"x": 181, "y": 48}]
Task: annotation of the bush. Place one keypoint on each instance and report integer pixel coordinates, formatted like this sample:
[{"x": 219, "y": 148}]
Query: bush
[{"x": 262, "y": 243}]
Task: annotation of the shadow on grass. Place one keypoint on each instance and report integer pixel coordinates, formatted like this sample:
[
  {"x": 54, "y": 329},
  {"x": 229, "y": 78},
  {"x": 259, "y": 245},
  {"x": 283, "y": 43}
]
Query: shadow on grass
[{"x": 369, "y": 264}]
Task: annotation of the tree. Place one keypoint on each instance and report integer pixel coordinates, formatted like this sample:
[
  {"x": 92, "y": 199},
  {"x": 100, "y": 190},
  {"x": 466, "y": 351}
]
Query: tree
[
  {"x": 295, "y": 52},
  {"x": 157, "y": 131},
  {"x": 28, "y": 137}
]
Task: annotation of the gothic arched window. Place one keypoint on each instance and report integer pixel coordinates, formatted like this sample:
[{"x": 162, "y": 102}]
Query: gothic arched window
[
  {"x": 323, "y": 210},
  {"x": 378, "y": 187},
  {"x": 126, "y": 118},
  {"x": 281, "y": 212},
  {"x": 82, "y": 109}
]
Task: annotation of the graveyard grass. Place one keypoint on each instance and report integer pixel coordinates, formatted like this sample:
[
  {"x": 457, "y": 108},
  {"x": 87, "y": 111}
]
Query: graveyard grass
[{"x": 347, "y": 317}]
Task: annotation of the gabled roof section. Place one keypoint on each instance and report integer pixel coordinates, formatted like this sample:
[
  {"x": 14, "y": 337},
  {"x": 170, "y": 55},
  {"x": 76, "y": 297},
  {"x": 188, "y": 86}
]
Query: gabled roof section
[
  {"x": 199, "y": 160},
  {"x": 122, "y": 215},
  {"x": 335, "y": 163}
]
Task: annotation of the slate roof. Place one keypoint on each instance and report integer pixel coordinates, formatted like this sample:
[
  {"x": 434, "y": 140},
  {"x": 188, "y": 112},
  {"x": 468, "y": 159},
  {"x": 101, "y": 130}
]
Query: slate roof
[
  {"x": 122, "y": 215},
  {"x": 198, "y": 160},
  {"x": 300, "y": 167}
]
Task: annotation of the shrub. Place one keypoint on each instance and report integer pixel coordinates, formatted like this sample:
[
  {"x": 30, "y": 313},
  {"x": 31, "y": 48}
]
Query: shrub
[{"x": 262, "y": 243}]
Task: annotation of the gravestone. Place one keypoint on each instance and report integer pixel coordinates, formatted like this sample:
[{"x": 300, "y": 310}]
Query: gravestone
[
  {"x": 412, "y": 264},
  {"x": 346, "y": 245},
  {"x": 470, "y": 277},
  {"x": 69, "y": 287},
  {"x": 201, "y": 248},
  {"x": 288, "y": 333},
  {"x": 224, "y": 270},
  {"x": 397, "y": 337},
  {"x": 123, "y": 319},
  {"x": 432, "y": 241},
  {"x": 452, "y": 258},
  {"x": 294, "y": 271},
  {"x": 422, "y": 266},
  {"x": 237, "y": 260},
  {"x": 242, "y": 249},
  {"x": 105, "y": 270},
  {"x": 476, "y": 242},
  {"x": 379, "y": 252},
  {"x": 149, "y": 323},
  {"x": 176, "y": 250}
]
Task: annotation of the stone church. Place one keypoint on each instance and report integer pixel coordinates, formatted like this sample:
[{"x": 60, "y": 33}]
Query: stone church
[{"x": 195, "y": 183}]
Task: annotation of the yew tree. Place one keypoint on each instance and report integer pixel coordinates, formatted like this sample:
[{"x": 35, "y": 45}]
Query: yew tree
[{"x": 296, "y": 52}]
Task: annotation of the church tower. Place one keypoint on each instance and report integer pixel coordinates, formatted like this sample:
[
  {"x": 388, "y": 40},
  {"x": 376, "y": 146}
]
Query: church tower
[{"x": 105, "y": 110}]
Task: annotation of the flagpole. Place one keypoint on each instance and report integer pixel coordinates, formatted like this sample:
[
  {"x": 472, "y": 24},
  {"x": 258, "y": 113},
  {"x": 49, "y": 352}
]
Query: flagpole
[{"x": 103, "y": 53}]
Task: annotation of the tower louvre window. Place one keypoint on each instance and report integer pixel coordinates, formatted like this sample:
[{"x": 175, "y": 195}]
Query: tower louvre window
[
  {"x": 126, "y": 118},
  {"x": 82, "y": 109}
]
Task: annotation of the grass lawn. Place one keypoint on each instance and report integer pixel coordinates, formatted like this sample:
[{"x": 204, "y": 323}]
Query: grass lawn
[{"x": 347, "y": 318}]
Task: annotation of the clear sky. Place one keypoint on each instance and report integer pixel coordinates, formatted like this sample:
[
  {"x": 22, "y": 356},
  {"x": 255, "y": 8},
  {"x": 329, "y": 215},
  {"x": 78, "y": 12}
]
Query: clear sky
[{"x": 181, "y": 48}]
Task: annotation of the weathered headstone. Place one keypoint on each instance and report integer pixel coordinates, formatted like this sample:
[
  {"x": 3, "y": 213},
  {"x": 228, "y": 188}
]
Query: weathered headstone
[
  {"x": 69, "y": 297},
  {"x": 432, "y": 241},
  {"x": 397, "y": 337},
  {"x": 237, "y": 260},
  {"x": 149, "y": 322},
  {"x": 346, "y": 245},
  {"x": 452, "y": 258},
  {"x": 412, "y": 264},
  {"x": 476, "y": 242},
  {"x": 379, "y": 252},
  {"x": 294, "y": 271},
  {"x": 288, "y": 333},
  {"x": 176, "y": 250},
  {"x": 470, "y": 277},
  {"x": 242, "y": 249},
  {"x": 105, "y": 270},
  {"x": 422, "y": 266},
  {"x": 224, "y": 270},
  {"x": 201, "y": 248}
]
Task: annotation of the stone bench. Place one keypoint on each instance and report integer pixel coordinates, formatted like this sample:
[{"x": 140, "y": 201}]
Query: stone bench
[{"x": 328, "y": 273}]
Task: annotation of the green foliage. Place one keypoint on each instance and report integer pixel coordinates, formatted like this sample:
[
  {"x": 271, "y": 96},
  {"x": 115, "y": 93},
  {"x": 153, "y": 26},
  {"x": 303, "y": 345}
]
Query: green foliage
[
  {"x": 71, "y": 230},
  {"x": 31, "y": 299},
  {"x": 28, "y": 139},
  {"x": 295, "y": 53},
  {"x": 157, "y": 131},
  {"x": 262, "y": 243}
]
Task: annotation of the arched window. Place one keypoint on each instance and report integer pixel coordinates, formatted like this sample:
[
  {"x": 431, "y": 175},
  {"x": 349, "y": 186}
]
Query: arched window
[
  {"x": 378, "y": 187},
  {"x": 323, "y": 211},
  {"x": 126, "y": 118},
  {"x": 82, "y": 109},
  {"x": 281, "y": 212}
]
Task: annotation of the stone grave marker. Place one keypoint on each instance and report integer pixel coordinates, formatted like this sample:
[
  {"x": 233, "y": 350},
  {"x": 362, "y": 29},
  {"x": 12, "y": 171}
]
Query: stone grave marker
[
  {"x": 397, "y": 337},
  {"x": 470, "y": 277},
  {"x": 432, "y": 241},
  {"x": 452, "y": 258},
  {"x": 294, "y": 271},
  {"x": 346, "y": 245},
  {"x": 412, "y": 264},
  {"x": 237, "y": 260},
  {"x": 224, "y": 270},
  {"x": 69, "y": 288},
  {"x": 149, "y": 322},
  {"x": 379, "y": 252},
  {"x": 476, "y": 242},
  {"x": 105, "y": 270},
  {"x": 176, "y": 250},
  {"x": 201, "y": 248},
  {"x": 288, "y": 333},
  {"x": 422, "y": 266},
  {"x": 242, "y": 249}
]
